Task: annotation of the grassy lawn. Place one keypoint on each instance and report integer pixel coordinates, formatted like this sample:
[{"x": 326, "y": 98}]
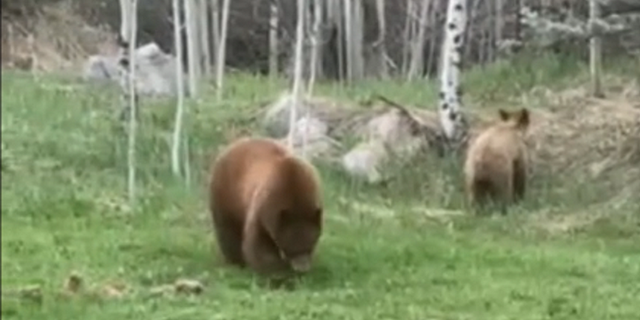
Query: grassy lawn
[{"x": 64, "y": 209}]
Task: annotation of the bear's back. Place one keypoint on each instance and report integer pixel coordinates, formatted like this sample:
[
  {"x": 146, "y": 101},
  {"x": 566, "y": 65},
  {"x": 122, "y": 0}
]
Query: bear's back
[
  {"x": 241, "y": 168},
  {"x": 498, "y": 144}
]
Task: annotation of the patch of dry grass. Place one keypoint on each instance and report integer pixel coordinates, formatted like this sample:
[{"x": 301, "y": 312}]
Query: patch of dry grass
[{"x": 55, "y": 38}]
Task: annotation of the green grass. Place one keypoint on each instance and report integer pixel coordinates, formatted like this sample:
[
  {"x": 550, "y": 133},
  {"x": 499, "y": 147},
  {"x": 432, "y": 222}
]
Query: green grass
[{"x": 64, "y": 208}]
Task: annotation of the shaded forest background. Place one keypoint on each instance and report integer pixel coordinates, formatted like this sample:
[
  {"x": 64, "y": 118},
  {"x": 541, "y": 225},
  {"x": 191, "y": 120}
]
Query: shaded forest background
[{"x": 247, "y": 43}]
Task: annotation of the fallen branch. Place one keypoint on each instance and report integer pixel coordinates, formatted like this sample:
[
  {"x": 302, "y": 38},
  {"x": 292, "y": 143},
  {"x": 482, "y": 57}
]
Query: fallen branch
[{"x": 418, "y": 127}]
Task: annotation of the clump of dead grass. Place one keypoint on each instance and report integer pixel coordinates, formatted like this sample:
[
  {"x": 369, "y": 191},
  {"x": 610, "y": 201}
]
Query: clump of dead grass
[
  {"x": 585, "y": 140},
  {"x": 596, "y": 136}
]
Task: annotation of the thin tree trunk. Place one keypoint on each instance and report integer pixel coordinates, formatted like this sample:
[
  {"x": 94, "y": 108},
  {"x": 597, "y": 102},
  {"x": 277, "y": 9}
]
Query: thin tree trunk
[
  {"x": 349, "y": 41},
  {"x": 499, "y": 23},
  {"x": 452, "y": 120},
  {"x": 341, "y": 41},
  {"x": 379, "y": 45},
  {"x": 358, "y": 39},
  {"x": 316, "y": 48},
  {"x": 128, "y": 37},
  {"x": 489, "y": 34},
  {"x": 222, "y": 47},
  {"x": 518, "y": 25},
  {"x": 297, "y": 73},
  {"x": 215, "y": 31},
  {"x": 125, "y": 23},
  {"x": 133, "y": 109},
  {"x": 205, "y": 36},
  {"x": 192, "y": 46},
  {"x": 417, "y": 54},
  {"x": 273, "y": 40},
  {"x": 407, "y": 37},
  {"x": 432, "y": 36},
  {"x": 472, "y": 17},
  {"x": 595, "y": 51},
  {"x": 177, "y": 133}
]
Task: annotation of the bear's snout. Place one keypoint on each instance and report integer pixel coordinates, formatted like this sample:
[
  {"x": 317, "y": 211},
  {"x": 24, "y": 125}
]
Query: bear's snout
[{"x": 301, "y": 263}]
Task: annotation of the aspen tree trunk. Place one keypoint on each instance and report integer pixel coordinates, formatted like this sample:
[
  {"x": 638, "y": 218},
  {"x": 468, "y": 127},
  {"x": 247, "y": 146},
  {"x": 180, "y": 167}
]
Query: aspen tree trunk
[
  {"x": 343, "y": 50},
  {"x": 472, "y": 15},
  {"x": 127, "y": 63},
  {"x": 177, "y": 133},
  {"x": 215, "y": 31},
  {"x": 407, "y": 37},
  {"x": 339, "y": 18},
  {"x": 315, "y": 41},
  {"x": 432, "y": 36},
  {"x": 518, "y": 24},
  {"x": 380, "y": 42},
  {"x": 417, "y": 54},
  {"x": 222, "y": 47},
  {"x": 349, "y": 39},
  {"x": 499, "y": 23},
  {"x": 358, "y": 39},
  {"x": 488, "y": 35},
  {"x": 205, "y": 46},
  {"x": 125, "y": 24},
  {"x": 273, "y": 40},
  {"x": 193, "y": 50},
  {"x": 595, "y": 51},
  {"x": 453, "y": 123},
  {"x": 297, "y": 73},
  {"x": 353, "y": 21}
]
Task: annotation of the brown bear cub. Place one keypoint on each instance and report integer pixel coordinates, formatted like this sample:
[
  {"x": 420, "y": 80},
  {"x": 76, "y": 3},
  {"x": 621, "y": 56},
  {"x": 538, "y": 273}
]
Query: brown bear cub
[
  {"x": 266, "y": 207},
  {"x": 496, "y": 164}
]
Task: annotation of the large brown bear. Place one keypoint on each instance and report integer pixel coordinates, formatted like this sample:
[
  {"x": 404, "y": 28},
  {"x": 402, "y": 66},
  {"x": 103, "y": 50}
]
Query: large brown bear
[
  {"x": 496, "y": 164},
  {"x": 266, "y": 207}
]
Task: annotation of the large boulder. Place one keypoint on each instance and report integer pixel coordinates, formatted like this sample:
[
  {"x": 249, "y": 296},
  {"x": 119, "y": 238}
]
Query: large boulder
[{"x": 155, "y": 72}]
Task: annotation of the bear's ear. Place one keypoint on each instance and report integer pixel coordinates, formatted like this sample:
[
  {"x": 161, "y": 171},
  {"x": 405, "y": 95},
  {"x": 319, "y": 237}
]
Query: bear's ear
[
  {"x": 523, "y": 118},
  {"x": 504, "y": 115}
]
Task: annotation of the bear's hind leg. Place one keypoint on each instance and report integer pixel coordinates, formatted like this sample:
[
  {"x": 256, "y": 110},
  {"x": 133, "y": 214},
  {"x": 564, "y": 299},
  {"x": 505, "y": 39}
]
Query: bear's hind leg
[
  {"x": 504, "y": 191},
  {"x": 519, "y": 179},
  {"x": 481, "y": 194}
]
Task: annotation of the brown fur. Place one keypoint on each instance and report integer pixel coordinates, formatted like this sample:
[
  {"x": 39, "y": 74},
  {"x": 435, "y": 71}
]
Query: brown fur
[
  {"x": 496, "y": 163},
  {"x": 266, "y": 206}
]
